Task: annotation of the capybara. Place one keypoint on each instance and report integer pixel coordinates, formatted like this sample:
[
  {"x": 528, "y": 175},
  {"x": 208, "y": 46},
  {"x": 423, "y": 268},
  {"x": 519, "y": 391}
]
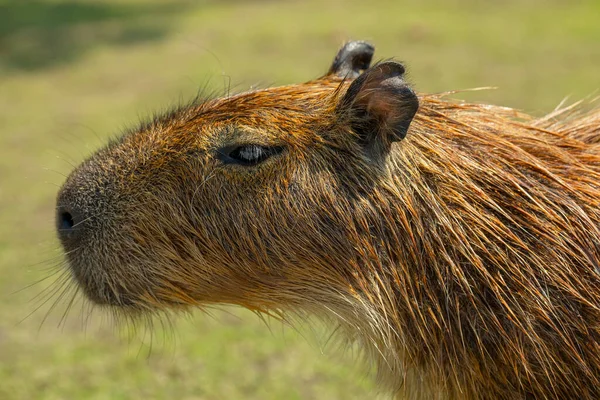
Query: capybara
[{"x": 457, "y": 243}]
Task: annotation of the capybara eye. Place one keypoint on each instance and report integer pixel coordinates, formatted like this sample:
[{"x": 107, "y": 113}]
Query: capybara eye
[{"x": 248, "y": 154}]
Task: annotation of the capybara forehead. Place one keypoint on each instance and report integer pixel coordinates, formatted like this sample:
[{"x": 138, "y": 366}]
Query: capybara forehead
[
  {"x": 293, "y": 114},
  {"x": 308, "y": 101}
]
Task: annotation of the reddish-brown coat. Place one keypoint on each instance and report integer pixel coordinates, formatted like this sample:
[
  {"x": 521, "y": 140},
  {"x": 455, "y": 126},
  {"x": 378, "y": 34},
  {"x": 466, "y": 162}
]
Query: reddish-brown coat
[{"x": 465, "y": 259}]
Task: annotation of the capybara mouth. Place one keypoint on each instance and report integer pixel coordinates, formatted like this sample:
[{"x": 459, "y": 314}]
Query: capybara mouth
[
  {"x": 98, "y": 287},
  {"x": 104, "y": 296},
  {"x": 123, "y": 285}
]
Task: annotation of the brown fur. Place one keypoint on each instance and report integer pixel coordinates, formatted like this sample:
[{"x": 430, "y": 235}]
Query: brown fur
[{"x": 466, "y": 260}]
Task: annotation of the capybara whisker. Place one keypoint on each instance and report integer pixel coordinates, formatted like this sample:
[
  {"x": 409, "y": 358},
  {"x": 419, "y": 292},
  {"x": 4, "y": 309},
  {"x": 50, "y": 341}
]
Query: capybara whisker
[{"x": 53, "y": 290}]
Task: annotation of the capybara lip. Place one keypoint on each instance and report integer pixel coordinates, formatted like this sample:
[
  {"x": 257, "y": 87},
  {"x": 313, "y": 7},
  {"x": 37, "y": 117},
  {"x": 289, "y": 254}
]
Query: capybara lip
[
  {"x": 97, "y": 286},
  {"x": 104, "y": 296},
  {"x": 458, "y": 243}
]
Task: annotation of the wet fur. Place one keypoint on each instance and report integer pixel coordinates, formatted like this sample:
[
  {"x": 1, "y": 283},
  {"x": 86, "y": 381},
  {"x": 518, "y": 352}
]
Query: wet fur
[{"x": 465, "y": 259}]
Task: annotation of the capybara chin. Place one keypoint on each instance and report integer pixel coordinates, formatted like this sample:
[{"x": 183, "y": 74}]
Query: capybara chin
[{"x": 458, "y": 243}]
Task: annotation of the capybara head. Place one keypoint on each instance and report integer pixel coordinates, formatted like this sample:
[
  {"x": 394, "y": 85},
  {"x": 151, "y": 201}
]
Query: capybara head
[
  {"x": 243, "y": 199},
  {"x": 459, "y": 243}
]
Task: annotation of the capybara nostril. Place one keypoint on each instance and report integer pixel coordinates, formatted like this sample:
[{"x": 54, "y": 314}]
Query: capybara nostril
[
  {"x": 69, "y": 226},
  {"x": 65, "y": 221}
]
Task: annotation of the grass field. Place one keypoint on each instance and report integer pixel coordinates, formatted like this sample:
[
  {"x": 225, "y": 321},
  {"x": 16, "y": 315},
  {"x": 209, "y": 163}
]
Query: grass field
[{"x": 73, "y": 73}]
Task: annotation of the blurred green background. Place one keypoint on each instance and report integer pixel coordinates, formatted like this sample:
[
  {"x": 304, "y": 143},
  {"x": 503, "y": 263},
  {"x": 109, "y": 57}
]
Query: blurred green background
[{"x": 73, "y": 73}]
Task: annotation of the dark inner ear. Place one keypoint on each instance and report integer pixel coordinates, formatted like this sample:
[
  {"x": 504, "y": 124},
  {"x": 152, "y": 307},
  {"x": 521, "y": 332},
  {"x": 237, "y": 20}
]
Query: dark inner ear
[
  {"x": 352, "y": 59},
  {"x": 379, "y": 105}
]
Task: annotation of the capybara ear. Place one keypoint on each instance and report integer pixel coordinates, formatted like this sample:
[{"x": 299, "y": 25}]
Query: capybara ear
[
  {"x": 352, "y": 59},
  {"x": 379, "y": 105}
]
